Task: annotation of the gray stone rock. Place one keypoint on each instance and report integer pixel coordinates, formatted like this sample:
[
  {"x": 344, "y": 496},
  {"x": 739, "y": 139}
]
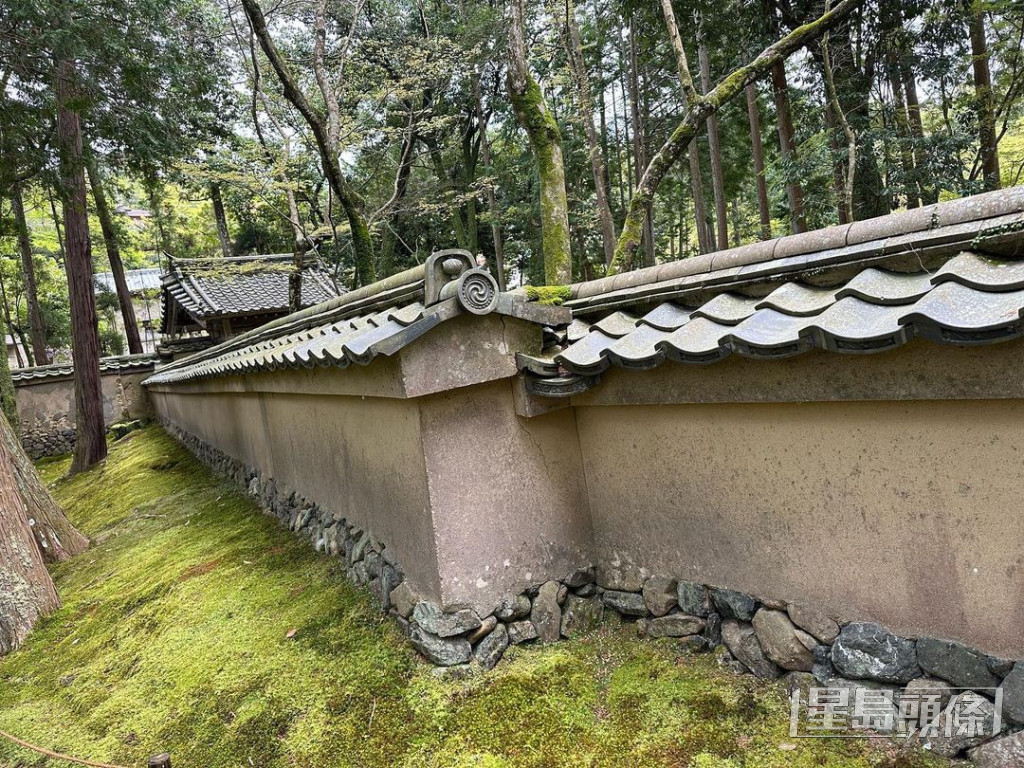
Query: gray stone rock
[
  {"x": 626, "y": 603},
  {"x": 521, "y": 632},
  {"x": 958, "y": 740},
  {"x": 563, "y": 592},
  {"x": 923, "y": 688},
  {"x": 546, "y": 614},
  {"x": 713, "y": 629},
  {"x": 359, "y": 550},
  {"x": 403, "y": 599},
  {"x": 485, "y": 628},
  {"x": 659, "y": 595},
  {"x": 1005, "y": 752},
  {"x": 999, "y": 667},
  {"x": 492, "y": 647},
  {"x": 586, "y": 590},
  {"x": 1013, "y": 693},
  {"x": 741, "y": 641},
  {"x": 383, "y": 585},
  {"x": 800, "y": 681},
  {"x": 373, "y": 562},
  {"x": 446, "y": 652},
  {"x": 513, "y": 608},
  {"x": 815, "y": 622},
  {"x": 621, "y": 577},
  {"x": 734, "y": 605},
  {"x": 955, "y": 662},
  {"x": 581, "y": 614},
  {"x": 868, "y": 651},
  {"x": 579, "y": 577},
  {"x": 694, "y": 644},
  {"x": 444, "y": 624},
  {"x": 693, "y": 598},
  {"x": 357, "y": 574},
  {"x": 675, "y": 625},
  {"x": 789, "y": 647},
  {"x": 823, "y": 670}
]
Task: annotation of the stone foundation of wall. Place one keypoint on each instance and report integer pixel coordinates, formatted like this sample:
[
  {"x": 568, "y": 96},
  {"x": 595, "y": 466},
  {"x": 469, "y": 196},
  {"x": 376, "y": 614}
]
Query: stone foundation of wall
[{"x": 770, "y": 639}]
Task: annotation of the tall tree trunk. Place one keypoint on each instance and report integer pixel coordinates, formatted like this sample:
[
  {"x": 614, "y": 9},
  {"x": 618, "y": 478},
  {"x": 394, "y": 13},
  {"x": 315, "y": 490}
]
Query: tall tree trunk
[
  {"x": 37, "y": 331},
  {"x": 113, "y": 246},
  {"x": 156, "y": 202},
  {"x": 988, "y": 141},
  {"x": 546, "y": 141},
  {"x": 639, "y": 139},
  {"x": 585, "y": 101},
  {"x": 698, "y": 112},
  {"x": 715, "y": 146},
  {"x": 90, "y": 442},
  {"x": 299, "y": 245},
  {"x": 349, "y": 200},
  {"x": 222, "y": 220},
  {"x": 835, "y": 108},
  {"x": 492, "y": 203},
  {"x": 10, "y": 327},
  {"x": 61, "y": 250},
  {"x": 754, "y": 117},
  {"x": 26, "y": 589},
  {"x": 686, "y": 82},
  {"x": 929, "y": 191},
  {"x": 787, "y": 141}
]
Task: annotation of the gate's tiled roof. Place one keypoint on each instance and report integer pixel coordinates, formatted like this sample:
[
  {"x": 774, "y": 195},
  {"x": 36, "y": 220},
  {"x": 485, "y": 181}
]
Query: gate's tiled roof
[{"x": 246, "y": 285}]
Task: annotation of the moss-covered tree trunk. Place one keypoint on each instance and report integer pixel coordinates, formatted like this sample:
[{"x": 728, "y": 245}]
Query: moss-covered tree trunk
[
  {"x": 546, "y": 142},
  {"x": 26, "y": 589},
  {"x": 698, "y": 111},
  {"x": 988, "y": 139}
]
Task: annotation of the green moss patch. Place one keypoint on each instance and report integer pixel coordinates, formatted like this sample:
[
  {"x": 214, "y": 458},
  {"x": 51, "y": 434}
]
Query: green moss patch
[{"x": 174, "y": 636}]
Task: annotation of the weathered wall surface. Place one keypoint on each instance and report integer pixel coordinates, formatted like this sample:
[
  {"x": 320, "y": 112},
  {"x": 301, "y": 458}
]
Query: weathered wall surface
[
  {"x": 359, "y": 457},
  {"x": 46, "y": 409},
  {"x": 900, "y": 512},
  {"x": 508, "y": 496}
]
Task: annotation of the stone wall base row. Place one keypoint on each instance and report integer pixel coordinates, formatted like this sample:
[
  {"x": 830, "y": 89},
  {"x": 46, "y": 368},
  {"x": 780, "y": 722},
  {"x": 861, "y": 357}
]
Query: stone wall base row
[{"x": 770, "y": 639}]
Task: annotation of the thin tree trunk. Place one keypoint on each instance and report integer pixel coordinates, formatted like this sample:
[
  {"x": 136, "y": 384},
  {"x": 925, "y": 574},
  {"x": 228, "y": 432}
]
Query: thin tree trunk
[
  {"x": 546, "y": 141},
  {"x": 298, "y": 253},
  {"x": 787, "y": 140},
  {"x": 37, "y": 330},
  {"x": 754, "y": 117},
  {"x": 492, "y": 203},
  {"x": 838, "y": 175},
  {"x": 61, "y": 250},
  {"x": 639, "y": 139},
  {"x": 988, "y": 141},
  {"x": 715, "y": 146},
  {"x": 222, "y": 220},
  {"x": 851, "y": 137},
  {"x": 585, "y": 101},
  {"x": 929, "y": 192},
  {"x": 10, "y": 328},
  {"x": 90, "y": 442},
  {"x": 698, "y": 112},
  {"x": 26, "y": 589},
  {"x": 350, "y": 202},
  {"x": 903, "y": 135},
  {"x": 124, "y": 296}
]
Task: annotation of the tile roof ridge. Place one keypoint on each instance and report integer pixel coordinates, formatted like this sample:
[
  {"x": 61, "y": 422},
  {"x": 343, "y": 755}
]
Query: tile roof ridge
[{"x": 981, "y": 207}]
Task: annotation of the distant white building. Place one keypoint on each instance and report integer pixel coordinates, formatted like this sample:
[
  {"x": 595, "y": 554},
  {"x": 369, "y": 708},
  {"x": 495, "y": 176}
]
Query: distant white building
[{"x": 144, "y": 286}]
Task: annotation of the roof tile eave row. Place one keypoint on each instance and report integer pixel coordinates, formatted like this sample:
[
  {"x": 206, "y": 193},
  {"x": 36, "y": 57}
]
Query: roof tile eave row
[{"x": 969, "y": 300}]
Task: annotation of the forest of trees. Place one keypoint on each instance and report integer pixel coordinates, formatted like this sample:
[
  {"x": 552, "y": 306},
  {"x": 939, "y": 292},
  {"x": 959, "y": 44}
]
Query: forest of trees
[{"x": 547, "y": 137}]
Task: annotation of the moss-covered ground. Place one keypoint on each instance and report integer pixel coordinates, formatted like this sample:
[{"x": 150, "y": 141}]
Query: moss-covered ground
[{"x": 198, "y": 626}]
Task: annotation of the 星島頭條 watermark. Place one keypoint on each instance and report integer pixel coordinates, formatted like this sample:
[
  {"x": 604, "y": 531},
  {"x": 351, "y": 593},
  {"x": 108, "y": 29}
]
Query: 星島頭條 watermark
[{"x": 854, "y": 711}]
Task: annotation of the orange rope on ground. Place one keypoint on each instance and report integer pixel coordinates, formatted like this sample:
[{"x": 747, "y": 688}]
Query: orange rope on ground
[{"x": 56, "y": 755}]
